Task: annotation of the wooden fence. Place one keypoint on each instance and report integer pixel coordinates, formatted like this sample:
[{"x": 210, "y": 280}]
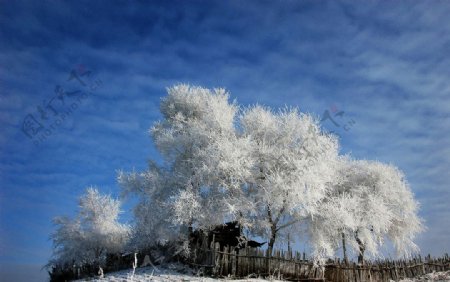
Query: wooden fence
[
  {"x": 292, "y": 266},
  {"x": 385, "y": 270}
]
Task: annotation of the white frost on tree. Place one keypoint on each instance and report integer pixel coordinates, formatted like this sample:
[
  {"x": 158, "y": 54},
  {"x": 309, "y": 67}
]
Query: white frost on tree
[
  {"x": 370, "y": 202},
  {"x": 205, "y": 163},
  {"x": 271, "y": 171},
  {"x": 267, "y": 170},
  {"x": 293, "y": 161},
  {"x": 94, "y": 233},
  {"x": 152, "y": 214}
]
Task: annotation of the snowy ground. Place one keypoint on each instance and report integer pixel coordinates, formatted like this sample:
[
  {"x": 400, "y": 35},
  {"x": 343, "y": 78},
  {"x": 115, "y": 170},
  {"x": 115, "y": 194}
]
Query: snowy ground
[
  {"x": 176, "y": 272},
  {"x": 435, "y": 276},
  {"x": 171, "y": 272}
]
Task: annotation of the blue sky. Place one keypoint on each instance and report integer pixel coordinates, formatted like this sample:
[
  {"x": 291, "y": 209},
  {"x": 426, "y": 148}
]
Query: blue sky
[{"x": 385, "y": 64}]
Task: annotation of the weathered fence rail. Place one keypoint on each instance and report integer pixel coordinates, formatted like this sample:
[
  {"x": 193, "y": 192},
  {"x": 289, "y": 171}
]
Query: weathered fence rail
[{"x": 292, "y": 266}]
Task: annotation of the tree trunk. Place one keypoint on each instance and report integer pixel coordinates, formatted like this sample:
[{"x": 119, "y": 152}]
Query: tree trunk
[
  {"x": 361, "y": 254},
  {"x": 274, "y": 225},
  {"x": 289, "y": 242},
  {"x": 273, "y": 230},
  {"x": 344, "y": 248},
  {"x": 273, "y": 236},
  {"x": 362, "y": 248},
  {"x": 190, "y": 234}
]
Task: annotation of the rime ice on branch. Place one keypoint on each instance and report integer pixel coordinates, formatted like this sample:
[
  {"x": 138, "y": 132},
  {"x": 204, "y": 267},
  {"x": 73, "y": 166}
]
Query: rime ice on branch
[
  {"x": 370, "y": 202},
  {"x": 90, "y": 236}
]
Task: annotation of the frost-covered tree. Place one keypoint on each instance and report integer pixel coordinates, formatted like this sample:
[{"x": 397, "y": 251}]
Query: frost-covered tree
[
  {"x": 293, "y": 161},
  {"x": 370, "y": 202},
  {"x": 207, "y": 160},
  {"x": 268, "y": 170},
  {"x": 152, "y": 214},
  {"x": 93, "y": 233},
  {"x": 199, "y": 183},
  {"x": 333, "y": 225}
]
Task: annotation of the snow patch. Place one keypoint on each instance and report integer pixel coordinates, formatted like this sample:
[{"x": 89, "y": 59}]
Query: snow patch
[
  {"x": 434, "y": 276},
  {"x": 171, "y": 272}
]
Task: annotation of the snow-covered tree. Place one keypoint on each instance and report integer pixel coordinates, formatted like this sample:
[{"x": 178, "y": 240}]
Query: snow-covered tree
[
  {"x": 370, "y": 202},
  {"x": 293, "y": 161},
  {"x": 268, "y": 170},
  {"x": 199, "y": 183},
  {"x": 333, "y": 225},
  {"x": 94, "y": 233},
  {"x": 153, "y": 212},
  {"x": 207, "y": 160}
]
